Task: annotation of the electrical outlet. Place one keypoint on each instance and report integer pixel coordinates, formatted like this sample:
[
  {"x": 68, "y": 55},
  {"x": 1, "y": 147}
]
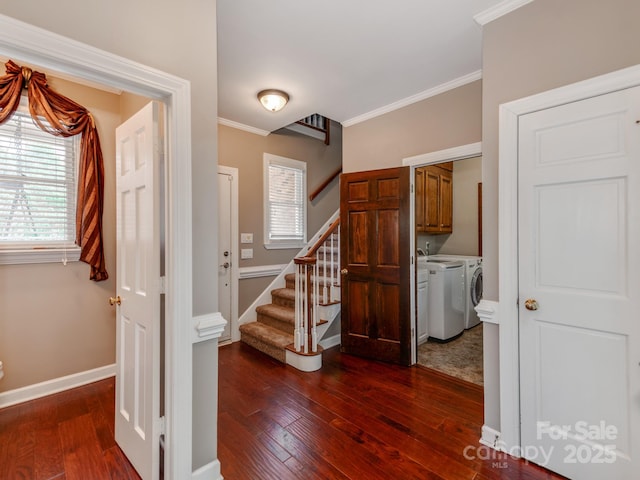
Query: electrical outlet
[
  {"x": 246, "y": 238},
  {"x": 246, "y": 253}
]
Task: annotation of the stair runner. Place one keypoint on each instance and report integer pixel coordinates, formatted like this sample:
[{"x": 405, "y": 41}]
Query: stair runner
[{"x": 273, "y": 330}]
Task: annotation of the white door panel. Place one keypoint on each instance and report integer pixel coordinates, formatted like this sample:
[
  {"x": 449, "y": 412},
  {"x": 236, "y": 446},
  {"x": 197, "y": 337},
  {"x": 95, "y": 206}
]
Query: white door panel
[
  {"x": 226, "y": 252},
  {"x": 138, "y": 285},
  {"x": 579, "y": 231}
]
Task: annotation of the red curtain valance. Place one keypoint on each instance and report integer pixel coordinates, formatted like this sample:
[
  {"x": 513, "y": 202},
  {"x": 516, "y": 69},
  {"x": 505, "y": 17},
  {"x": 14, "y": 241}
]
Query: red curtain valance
[{"x": 66, "y": 118}]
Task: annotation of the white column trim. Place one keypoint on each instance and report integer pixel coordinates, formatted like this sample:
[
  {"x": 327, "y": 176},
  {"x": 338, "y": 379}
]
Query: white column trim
[
  {"x": 210, "y": 471},
  {"x": 488, "y": 310},
  {"x": 207, "y": 327},
  {"x": 508, "y": 232},
  {"x": 57, "y": 53}
]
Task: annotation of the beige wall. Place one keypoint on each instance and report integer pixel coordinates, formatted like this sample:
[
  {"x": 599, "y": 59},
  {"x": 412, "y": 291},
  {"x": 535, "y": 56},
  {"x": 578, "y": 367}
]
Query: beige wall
[
  {"x": 244, "y": 151},
  {"x": 54, "y": 320},
  {"x": 447, "y": 120},
  {"x": 543, "y": 45},
  {"x": 467, "y": 174}
]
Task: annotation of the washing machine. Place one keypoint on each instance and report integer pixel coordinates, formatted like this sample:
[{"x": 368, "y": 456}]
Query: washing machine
[
  {"x": 472, "y": 284},
  {"x": 446, "y": 305},
  {"x": 422, "y": 299}
]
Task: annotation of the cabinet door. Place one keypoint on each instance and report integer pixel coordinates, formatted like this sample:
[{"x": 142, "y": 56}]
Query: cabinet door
[
  {"x": 420, "y": 199},
  {"x": 432, "y": 200},
  {"x": 446, "y": 202}
]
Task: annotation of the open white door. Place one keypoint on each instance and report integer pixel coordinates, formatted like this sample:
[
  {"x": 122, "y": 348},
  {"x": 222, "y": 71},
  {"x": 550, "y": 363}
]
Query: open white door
[
  {"x": 579, "y": 284},
  {"x": 137, "y": 422},
  {"x": 227, "y": 241}
]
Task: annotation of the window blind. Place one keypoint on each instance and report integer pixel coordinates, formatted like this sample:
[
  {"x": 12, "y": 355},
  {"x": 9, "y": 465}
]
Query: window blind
[
  {"x": 286, "y": 203},
  {"x": 37, "y": 185}
]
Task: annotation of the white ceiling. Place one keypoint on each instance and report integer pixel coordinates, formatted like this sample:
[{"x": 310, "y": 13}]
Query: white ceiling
[{"x": 344, "y": 59}]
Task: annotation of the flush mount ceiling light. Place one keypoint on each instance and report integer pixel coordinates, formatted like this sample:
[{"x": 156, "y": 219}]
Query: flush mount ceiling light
[{"x": 273, "y": 100}]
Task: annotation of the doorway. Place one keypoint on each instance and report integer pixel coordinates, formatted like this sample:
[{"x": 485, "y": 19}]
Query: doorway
[
  {"x": 447, "y": 182},
  {"x": 227, "y": 251},
  {"x": 57, "y": 53}
]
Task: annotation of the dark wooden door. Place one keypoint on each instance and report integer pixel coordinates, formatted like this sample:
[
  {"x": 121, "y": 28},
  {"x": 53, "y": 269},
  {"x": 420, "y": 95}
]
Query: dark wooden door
[{"x": 375, "y": 227}]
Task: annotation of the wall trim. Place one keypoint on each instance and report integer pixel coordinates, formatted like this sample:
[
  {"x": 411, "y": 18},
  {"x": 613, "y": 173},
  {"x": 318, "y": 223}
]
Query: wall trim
[
  {"x": 210, "y": 471},
  {"x": 432, "y": 92},
  {"x": 488, "y": 310},
  {"x": 61, "y": 54},
  {"x": 497, "y": 11},
  {"x": 242, "y": 126},
  {"x": 490, "y": 437},
  {"x": 331, "y": 341},
  {"x": 207, "y": 327},
  {"x": 55, "y": 385},
  {"x": 456, "y": 153},
  {"x": 508, "y": 231},
  {"x": 260, "y": 271}
]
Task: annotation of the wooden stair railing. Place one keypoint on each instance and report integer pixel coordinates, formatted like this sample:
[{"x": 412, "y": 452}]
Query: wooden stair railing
[
  {"x": 310, "y": 294},
  {"x": 324, "y": 184},
  {"x": 319, "y": 123}
]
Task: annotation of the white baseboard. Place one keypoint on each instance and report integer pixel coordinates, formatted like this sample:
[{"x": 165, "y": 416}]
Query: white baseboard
[
  {"x": 490, "y": 437},
  {"x": 331, "y": 341},
  {"x": 55, "y": 385},
  {"x": 210, "y": 471}
]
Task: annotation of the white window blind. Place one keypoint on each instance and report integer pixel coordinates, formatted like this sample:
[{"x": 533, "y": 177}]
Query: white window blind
[
  {"x": 37, "y": 186},
  {"x": 285, "y": 202}
]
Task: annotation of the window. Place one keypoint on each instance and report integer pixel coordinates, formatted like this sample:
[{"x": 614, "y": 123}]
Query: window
[
  {"x": 37, "y": 192},
  {"x": 285, "y": 205}
]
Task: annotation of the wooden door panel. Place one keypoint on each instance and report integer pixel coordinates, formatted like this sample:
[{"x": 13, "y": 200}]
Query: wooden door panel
[{"x": 375, "y": 226}]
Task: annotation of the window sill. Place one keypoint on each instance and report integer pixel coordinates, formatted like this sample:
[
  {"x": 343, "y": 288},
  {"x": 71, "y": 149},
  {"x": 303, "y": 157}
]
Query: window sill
[
  {"x": 39, "y": 255},
  {"x": 284, "y": 246}
]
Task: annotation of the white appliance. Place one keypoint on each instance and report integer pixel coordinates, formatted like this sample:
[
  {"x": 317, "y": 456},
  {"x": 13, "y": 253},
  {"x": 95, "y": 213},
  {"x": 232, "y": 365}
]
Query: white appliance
[
  {"x": 472, "y": 284},
  {"x": 446, "y": 303},
  {"x": 422, "y": 300}
]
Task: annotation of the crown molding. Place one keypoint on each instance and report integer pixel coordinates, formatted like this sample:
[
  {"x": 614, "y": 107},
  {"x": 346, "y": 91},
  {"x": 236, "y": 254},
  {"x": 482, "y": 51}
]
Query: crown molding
[
  {"x": 497, "y": 11},
  {"x": 242, "y": 126},
  {"x": 432, "y": 92}
]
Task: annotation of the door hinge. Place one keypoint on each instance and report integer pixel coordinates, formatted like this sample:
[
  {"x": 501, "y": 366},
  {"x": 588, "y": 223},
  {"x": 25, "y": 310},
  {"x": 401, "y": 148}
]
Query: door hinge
[
  {"x": 162, "y": 285},
  {"x": 411, "y": 188},
  {"x": 161, "y": 426}
]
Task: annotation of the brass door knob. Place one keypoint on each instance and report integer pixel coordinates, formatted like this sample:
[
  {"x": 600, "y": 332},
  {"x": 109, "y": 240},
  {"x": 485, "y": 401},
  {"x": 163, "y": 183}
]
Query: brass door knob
[
  {"x": 530, "y": 304},
  {"x": 344, "y": 271},
  {"x": 115, "y": 300}
]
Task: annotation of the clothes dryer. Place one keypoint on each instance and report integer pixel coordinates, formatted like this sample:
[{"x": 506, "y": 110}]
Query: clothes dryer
[{"x": 472, "y": 284}]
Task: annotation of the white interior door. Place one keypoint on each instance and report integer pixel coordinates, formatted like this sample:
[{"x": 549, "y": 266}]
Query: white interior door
[
  {"x": 137, "y": 426},
  {"x": 579, "y": 261},
  {"x": 226, "y": 250}
]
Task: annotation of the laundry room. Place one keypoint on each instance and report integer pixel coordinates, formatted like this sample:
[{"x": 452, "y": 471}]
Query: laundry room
[{"x": 449, "y": 267}]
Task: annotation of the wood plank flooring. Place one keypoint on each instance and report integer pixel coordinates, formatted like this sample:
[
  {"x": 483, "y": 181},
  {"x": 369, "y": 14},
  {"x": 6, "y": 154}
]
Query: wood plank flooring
[
  {"x": 353, "y": 419},
  {"x": 66, "y": 436}
]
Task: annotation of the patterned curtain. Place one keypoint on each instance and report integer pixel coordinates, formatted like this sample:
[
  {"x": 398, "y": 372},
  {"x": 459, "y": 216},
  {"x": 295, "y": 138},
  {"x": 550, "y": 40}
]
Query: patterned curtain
[{"x": 66, "y": 118}]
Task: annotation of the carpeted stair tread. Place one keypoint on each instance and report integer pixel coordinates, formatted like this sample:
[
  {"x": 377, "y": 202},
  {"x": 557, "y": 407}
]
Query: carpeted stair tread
[
  {"x": 285, "y": 297},
  {"x": 284, "y": 314},
  {"x": 267, "y": 339}
]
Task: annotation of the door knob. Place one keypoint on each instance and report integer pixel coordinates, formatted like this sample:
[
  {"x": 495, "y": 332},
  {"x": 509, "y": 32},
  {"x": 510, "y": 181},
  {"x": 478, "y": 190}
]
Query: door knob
[
  {"x": 115, "y": 300},
  {"x": 225, "y": 265},
  {"x": 344, "y": 271},
  {"x": 530, "y": 304}
]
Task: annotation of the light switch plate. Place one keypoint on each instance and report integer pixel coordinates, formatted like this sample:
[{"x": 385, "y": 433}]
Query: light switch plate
[
  {"x": 246, "y": 253},
  {"x": 246, "y": 238}
]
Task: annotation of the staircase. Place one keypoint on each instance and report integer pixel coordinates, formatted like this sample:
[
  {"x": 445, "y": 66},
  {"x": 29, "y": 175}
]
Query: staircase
[{"x": 303, "y": 307}]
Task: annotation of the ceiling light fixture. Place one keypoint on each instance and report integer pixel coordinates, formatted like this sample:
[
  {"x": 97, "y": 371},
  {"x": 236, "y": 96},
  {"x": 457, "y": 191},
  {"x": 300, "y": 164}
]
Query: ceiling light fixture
[{"x": 273, "y": 100}]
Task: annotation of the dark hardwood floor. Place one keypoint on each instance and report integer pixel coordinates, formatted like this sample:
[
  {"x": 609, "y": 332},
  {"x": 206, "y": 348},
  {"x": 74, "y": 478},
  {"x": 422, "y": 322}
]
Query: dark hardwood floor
[
  {"x": 353, "y": 419},
  {"x": 66, "y": 436}
]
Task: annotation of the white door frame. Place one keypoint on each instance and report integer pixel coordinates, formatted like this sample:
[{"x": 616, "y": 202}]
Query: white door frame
[
  {"x": 235, "y": 330},
  {"x": 448, "y": 155},
  {"x": 50, "y": 50},
  {"x": 509, "y": 351}
]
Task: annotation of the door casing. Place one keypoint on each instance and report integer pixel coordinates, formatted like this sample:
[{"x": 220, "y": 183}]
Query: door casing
[
  {"x": 507, "y": 314},
  {"x": 235, "y": 257}
]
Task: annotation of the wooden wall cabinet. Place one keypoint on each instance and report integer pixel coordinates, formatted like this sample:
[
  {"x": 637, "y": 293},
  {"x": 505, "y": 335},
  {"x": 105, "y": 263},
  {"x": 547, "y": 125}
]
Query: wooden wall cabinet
[{"x": 434, "y": 198}]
